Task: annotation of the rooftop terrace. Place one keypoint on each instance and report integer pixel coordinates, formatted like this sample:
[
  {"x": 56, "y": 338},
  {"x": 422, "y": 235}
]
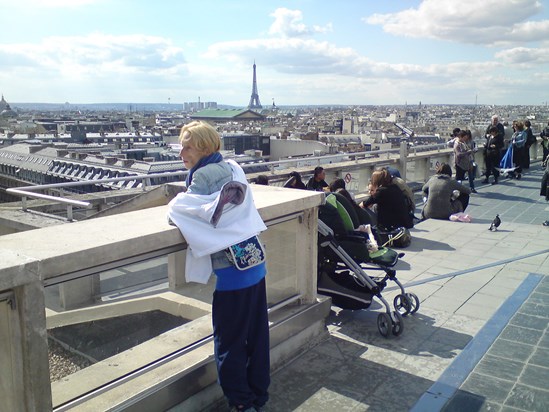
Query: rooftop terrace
[{"x": 480, "y": 340}]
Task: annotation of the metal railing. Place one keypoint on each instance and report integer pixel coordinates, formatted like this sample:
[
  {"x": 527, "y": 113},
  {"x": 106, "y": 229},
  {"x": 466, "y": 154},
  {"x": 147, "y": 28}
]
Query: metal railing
[{"x": 30, "y": 191}]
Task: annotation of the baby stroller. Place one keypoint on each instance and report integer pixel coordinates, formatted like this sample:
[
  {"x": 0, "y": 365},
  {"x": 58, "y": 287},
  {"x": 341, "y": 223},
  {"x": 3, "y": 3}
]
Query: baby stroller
[{"x": 343, "y": 257}]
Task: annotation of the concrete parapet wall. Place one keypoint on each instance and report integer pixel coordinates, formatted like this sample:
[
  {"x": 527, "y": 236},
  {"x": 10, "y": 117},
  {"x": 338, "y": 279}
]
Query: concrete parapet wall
[{"x": 30, "y": 260}]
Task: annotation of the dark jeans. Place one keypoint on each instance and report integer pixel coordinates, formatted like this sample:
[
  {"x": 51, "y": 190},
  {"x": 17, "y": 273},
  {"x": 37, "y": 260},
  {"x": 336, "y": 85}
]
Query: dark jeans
[
  {"x": 241, "y": 344},
  {"x": 518, "y": 159},
  {"x": 464, "y": 199},
  {"x": 460, "y": 173},
  {"x": 492, "y": 161},
  {"x": 545, "y": 153},
  {"x": 471, "y": 175}
]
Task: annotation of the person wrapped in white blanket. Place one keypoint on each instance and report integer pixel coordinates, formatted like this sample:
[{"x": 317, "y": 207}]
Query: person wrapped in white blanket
[{"x": 220, "y": 223}]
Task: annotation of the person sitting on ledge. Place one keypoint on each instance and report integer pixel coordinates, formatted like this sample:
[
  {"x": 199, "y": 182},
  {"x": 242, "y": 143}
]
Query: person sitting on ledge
[
  {"x": 441, "y": 202},
  {"x": 262, "y": 180}
]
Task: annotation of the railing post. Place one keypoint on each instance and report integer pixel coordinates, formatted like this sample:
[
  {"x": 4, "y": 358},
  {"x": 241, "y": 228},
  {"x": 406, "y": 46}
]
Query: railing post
[
  {"x": 176, "y": 269},
  {"x": 306, "y": 260},
  {"x": 69, "y": 213},
  {"x": 24, "y": 203},
  {"x": 403, "y": 157}
]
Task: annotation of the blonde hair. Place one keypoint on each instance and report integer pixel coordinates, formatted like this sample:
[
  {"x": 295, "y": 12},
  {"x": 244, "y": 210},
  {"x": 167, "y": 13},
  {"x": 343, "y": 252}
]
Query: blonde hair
[
  {"x": 381, "y": 177},
  {"x": 202, "y": 136}
]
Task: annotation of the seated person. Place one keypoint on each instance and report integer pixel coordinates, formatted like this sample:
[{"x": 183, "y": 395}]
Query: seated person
[
  {"x": 295, "y": 182},
  {"x": 262, "y": 180},
  {"x": 441, "y": 203},
  {"x": 338, "y": 183},
  {"x": 392, "y": 208},
  {"x": 409, "y": 195},
  {"x": 317, "y": 182}
]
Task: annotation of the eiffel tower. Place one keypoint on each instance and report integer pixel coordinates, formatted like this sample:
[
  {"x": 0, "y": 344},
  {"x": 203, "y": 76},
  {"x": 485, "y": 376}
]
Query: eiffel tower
[{"x": 254, "y": 99}]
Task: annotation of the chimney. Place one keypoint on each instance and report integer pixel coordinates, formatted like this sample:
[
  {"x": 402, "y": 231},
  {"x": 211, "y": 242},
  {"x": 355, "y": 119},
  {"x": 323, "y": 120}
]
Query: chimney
[
  {"x": 34, "y": 148},
  {"x": 62, "y": 152},
  {"x": 82, "y": 156},
  {"x": 109, "y": 160},
  {"x": 127, "y": 162}
]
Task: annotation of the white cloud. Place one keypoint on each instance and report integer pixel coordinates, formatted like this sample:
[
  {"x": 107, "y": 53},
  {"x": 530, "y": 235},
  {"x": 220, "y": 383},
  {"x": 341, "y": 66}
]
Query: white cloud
[
  {"x": 526, "y": 57},
  {"x": 288, "y": 23},
  {"x": 468, "y": 21},
  {"x": 94, "y": 54}
]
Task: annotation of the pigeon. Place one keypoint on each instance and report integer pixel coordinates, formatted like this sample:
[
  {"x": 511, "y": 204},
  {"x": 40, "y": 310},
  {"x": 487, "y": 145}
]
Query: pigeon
[{"x": 495, "y": 223}]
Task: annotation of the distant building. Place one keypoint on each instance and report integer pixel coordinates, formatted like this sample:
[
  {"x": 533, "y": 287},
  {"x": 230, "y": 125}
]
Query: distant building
[
  {"x": 37, "y": 164},
  {"x": 242, "y": 143},
  {"x": 226, "y": 115},
  {"x": 197, "y": 106},
  {"x": 5, "y": 110}
]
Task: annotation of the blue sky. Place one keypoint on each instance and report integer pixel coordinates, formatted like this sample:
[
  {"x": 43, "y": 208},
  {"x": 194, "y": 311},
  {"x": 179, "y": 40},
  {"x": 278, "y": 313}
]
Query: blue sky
[{"x": 352, "y": 52}]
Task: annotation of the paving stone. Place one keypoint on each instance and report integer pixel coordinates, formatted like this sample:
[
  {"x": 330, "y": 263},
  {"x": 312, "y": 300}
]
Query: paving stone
[
  {"x": 540, "y": 357},
  {"x": 528, "y": 321},
  {"x": 510, "y": 350},
  {"x": 536, "y": 376},
  {"x": 528, "y": 398},
  {"x": 521, "y": 335},
  {"x": 490, "y": 387},
  {"x": 506, "y": 369},
  {"x": 535, "y": 309}
]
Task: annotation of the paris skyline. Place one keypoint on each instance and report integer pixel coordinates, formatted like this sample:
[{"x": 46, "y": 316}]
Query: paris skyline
[{"x": 307, "y": 52}]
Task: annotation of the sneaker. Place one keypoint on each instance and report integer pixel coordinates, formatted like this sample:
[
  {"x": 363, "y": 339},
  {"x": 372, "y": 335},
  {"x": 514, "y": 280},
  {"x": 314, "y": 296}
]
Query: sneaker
[
  {"x": 546, "y": 223},
  {"x": 495, "y": 182},
  {"x": 473, "y": 191},
  {"x": 485, "y": 181},
  {"x": 519, "y": 176}
]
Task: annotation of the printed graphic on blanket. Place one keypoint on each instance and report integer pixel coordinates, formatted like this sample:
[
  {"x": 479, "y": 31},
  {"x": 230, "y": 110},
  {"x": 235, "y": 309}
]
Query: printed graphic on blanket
[{"x": 246, "y": 254}]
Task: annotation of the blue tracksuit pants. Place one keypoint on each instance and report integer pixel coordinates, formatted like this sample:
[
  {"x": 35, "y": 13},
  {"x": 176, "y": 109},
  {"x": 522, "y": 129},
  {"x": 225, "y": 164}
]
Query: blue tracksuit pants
[{"x": 241, "y": 343}]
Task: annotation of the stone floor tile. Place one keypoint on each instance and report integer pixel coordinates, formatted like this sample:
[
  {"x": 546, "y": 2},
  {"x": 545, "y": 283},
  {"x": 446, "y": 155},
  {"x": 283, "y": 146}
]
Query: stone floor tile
[
  {"x": 540, "y": 357},
  {"x": 528, "y": 321},
  {"x": 489, "y": 387},
  {"x": 504, "y": 369},
  {"x": 535, "y": 309},
  {"x": 528, "y": 398},
  {"x": 536, "y": 376},
  {"x": 510, "y": 350},
  {"x": 521, "y": 335}
]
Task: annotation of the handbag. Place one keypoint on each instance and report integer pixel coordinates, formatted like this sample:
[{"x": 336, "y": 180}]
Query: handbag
[
  {"x": 395, "y": 237},
  {"x": 246, "y": 254}
]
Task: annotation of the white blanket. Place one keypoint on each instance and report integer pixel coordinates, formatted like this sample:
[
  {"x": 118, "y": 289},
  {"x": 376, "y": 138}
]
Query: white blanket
[{"x": 192, "y": 214}]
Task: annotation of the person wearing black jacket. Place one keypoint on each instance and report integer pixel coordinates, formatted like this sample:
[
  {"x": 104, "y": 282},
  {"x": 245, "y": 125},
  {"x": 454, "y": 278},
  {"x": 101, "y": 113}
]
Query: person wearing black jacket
[
  {"x": 530, "y": 140},
  {"x": 317, "y": 182},
  {"x": 392, "y": 209},
  {"x": 492, "y": 151}
]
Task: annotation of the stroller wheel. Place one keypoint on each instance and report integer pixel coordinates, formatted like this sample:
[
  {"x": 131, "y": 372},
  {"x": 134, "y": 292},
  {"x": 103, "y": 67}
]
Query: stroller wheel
[
  {"x": 402, "y": 304},
  {"x": 398, "y": 324},
  {"x": 384, "y": 324},
  {"x": 414, "y": 302}
]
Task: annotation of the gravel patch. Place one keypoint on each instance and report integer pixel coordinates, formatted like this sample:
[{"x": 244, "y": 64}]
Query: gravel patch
[{"x": 64, "y": 362}]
